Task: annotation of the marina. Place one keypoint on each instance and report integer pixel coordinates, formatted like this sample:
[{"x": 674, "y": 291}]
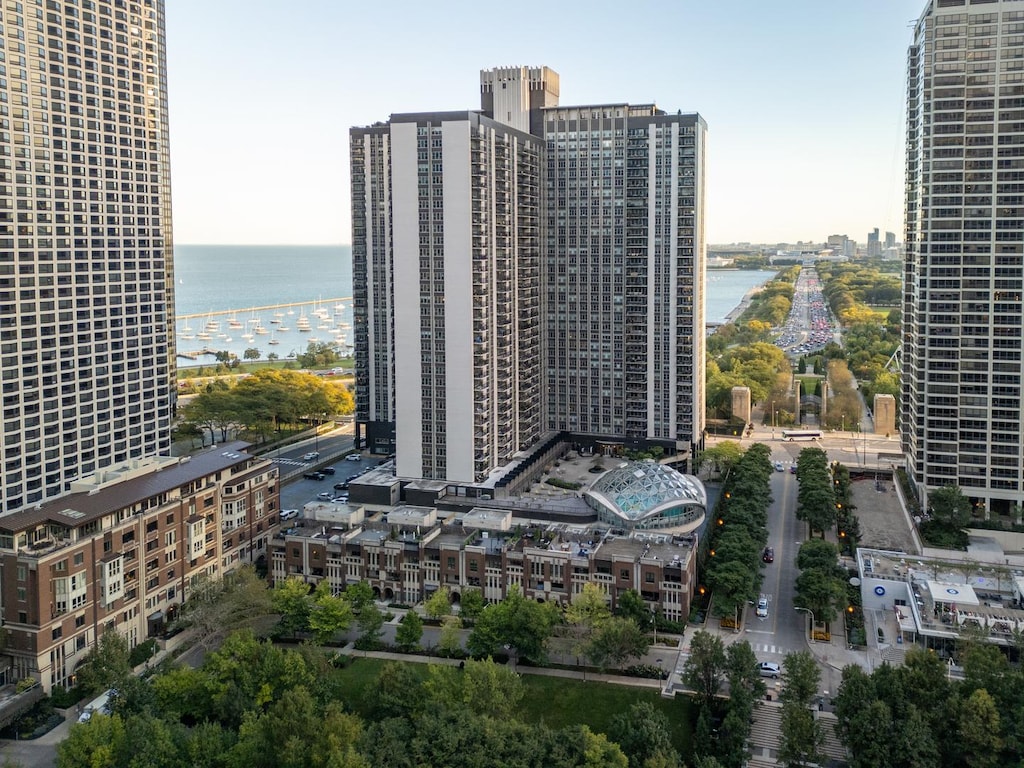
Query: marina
[{"x": 206, "y": 334}]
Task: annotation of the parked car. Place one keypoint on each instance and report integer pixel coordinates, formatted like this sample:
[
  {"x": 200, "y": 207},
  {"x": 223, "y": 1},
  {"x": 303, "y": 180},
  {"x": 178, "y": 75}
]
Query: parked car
[
  {"x": 341, "y": 486},
  {"x": 310, "y": 456},
  {"x": 779, "y": 467},
  {"x": 762, "y": 607},
  {"x": 792, "y": 470},
  {"x": 353, "y": 457},
  {"x": 769, "y": 669},
  {"x": 328, "y": 470},
  {"x": 288, "y": 514},
  {"x": 325, "y": 495},
  {"x": 314, "y": 475},
  {"x": 768, "y": 555}
]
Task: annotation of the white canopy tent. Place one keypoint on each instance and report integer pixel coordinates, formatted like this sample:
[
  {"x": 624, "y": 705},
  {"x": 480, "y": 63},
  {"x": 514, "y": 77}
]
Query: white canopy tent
[{"x": 946, "y": 592}]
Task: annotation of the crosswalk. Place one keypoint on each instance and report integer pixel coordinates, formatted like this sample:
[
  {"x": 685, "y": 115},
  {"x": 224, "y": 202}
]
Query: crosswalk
[
  {"x": 765, "y": 648},
  {"x": 290, "y": 462}
]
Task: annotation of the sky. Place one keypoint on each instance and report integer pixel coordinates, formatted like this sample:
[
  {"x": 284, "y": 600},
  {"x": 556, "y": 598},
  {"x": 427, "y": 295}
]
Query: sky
[{"x": 804, "y": 100}]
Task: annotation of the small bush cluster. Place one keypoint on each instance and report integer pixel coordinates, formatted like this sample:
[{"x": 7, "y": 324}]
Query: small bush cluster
[
  {"x": 564, "y": 484},
  {"x": 651, "y": 671}
]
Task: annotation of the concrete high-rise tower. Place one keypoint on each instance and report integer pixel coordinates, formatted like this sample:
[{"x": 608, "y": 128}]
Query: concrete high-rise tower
[
  {"x": 525, "y": 270},
  {"x": 964, "y": 276},
  {"x": 86, "y": 279}
]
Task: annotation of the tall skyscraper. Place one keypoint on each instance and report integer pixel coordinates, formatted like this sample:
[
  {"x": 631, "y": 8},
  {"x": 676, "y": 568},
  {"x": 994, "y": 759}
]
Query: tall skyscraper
[
  {"x": 86, "y": 279},
  {"x": 526, "y": 269},
  {"x": 964, "y": 275},
  {"x": 874, "y": 246}
]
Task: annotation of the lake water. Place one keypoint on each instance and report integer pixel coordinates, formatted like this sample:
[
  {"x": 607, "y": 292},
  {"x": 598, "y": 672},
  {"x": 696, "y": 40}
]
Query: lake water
[{"x": 278, "y": 285}]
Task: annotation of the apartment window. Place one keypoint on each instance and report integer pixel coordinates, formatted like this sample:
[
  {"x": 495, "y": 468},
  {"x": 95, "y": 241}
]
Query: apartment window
[
  {"x": 451, "y": 562},
  {"x": 57, "y": 632},
  {"x": 79, "y": 621},
  {"x": 624, "y": 574},
  {"x": 79, "y": 558}
]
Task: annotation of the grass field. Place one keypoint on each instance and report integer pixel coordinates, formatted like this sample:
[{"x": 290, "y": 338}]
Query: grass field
[{"x": 554, "y": 701}]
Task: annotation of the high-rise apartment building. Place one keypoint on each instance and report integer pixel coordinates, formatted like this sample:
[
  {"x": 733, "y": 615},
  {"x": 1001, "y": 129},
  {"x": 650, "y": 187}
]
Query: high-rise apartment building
[
  {"x": 874, "y": 245},
  {"x": 86, "y": 284},
  {"x": 964, "y": 274},
  {"x": 526, "y": 269}
]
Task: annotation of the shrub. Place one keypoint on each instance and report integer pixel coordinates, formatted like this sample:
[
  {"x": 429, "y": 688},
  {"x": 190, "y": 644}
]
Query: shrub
[
  {"x": 63, "y": 698},
  {"x": 557, "y": 483},
  {"x": 651, "y": 671},
  {"x": 142, "y": 652},
  {"x": 24, "y": 684}
]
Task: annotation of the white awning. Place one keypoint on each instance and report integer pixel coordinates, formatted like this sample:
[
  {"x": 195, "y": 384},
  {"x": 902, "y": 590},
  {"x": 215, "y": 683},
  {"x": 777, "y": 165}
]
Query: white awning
[{"x": 946, "y": 592}]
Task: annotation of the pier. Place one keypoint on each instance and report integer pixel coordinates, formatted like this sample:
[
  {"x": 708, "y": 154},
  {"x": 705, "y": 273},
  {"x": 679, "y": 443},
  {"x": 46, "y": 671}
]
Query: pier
[{"x": 269, "y": 307}]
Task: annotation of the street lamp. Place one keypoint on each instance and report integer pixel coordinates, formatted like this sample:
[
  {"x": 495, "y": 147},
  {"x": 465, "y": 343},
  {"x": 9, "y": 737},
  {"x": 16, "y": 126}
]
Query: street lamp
[
  {"x": 807, "y": 610},
  {"x": 654, "y": 623}
]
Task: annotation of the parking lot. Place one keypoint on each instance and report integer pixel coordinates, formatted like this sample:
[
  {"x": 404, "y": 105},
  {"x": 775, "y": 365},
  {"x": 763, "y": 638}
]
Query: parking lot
[{"x": 324, "y": 482}]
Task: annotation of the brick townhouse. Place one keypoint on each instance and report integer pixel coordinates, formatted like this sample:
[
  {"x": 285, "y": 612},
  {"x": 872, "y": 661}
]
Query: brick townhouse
[
  {"x": 120, "y": 551},
  {"x": 409, "y": 552}
]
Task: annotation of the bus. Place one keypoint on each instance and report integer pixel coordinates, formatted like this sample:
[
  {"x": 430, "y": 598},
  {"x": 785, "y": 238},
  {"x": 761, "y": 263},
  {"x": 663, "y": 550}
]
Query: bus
[{"x": 801, "y": 434}]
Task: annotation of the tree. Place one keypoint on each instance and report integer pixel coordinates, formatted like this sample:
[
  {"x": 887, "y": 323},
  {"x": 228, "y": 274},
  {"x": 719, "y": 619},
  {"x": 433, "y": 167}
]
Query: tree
[
  {"x": 371, "y": 622},
  {"x": 450, "y": 640},
  {"x": 409, "y": 631},
  {"x": 328, "y": 614},
  {"x": 522, "y": 625},
  {"x": 398, "y": 691},
  {"x": 631, "y": 605},
  {"x": 802, "y": 736},
  {"x": 949, "y": 507},
  {"x": 98, "y": 743},
  {"x": 745, "y": 683},
  {"x": 615, "y": 641},
  {"x": 438, "y": 604},
  {"x": 291, "y": 599},
  {"x": 818, "y": 553},
  {"x": 215, "y": 606},
  {"x": 105, "y": 665},
  {"x": 644, "y": 735},
  {"x": 703, "y": 670},
  {"x": 584, "y": 615},
  {"x": 358, "y": 595},
  {"x": 251, "y": 354},
  {"x": 821, "y": 593},
  {"x": 472, "y": 604},
  {"x": 978, "y": 731},
  {"x": 483, "y": 687}
]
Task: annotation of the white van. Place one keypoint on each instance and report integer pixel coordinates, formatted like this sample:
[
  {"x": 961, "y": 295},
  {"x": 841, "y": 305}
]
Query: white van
[{"x": 101, "y": 704}]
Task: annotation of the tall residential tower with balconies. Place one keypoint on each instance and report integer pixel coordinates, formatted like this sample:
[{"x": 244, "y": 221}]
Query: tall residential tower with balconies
[
  {"x": 524, "y": 270},
  {"x": 86, "y": 279},
  {"x": 964, "y": 275}
]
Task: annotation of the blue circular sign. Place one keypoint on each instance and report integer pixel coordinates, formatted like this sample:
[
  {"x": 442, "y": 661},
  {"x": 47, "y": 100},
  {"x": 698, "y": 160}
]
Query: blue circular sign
[
  {"x": 952, "y": 591},
  {"x": 879, "y": 590}
]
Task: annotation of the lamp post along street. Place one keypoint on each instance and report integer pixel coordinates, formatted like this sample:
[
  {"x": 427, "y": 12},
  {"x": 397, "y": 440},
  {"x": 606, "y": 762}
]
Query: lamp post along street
[{"x": 807, "y": 610}]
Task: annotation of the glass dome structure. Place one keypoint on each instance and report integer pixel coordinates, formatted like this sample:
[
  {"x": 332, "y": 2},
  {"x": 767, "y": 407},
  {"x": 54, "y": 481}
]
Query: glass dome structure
[{"x": 645, "y": 495}]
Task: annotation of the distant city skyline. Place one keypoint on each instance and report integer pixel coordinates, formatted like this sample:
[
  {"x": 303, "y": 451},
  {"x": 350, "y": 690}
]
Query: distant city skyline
[{"x": 804, "y": 102}]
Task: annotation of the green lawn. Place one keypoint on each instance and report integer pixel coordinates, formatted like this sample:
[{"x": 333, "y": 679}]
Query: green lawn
[{"x": 555, "y": 701}]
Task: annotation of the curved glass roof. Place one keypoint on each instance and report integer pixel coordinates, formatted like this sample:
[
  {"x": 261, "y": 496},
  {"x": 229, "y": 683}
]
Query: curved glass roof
[{"x": 640, "y": 489}]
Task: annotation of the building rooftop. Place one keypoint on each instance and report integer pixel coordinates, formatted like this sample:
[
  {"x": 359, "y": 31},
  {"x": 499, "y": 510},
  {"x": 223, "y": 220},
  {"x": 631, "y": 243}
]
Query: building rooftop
[
  {"x": 135, "y": 483},
  {"x": 638, "y": 490}
]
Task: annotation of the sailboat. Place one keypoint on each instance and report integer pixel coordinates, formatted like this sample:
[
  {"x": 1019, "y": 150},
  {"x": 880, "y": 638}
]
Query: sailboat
[
  {"x": 186, "y": 332},
  {"x": 303, "y": 323},
  {"x": 273, "y": 340}
]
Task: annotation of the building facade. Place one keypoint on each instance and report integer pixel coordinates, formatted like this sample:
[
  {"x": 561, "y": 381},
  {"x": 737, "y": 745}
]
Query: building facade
[
  {"x": 122, "y": 549},
  {"x": 560, "y": 261},
  {"x": 412, "y": 552},
  {"x": 446, "y": 252},
  {"x": 964, "y": 265},
  {"x": 86, "y": 279}
]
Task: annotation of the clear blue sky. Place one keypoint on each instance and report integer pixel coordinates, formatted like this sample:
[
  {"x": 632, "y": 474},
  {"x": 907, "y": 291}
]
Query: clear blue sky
[{"x": 804, "y": 100}]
